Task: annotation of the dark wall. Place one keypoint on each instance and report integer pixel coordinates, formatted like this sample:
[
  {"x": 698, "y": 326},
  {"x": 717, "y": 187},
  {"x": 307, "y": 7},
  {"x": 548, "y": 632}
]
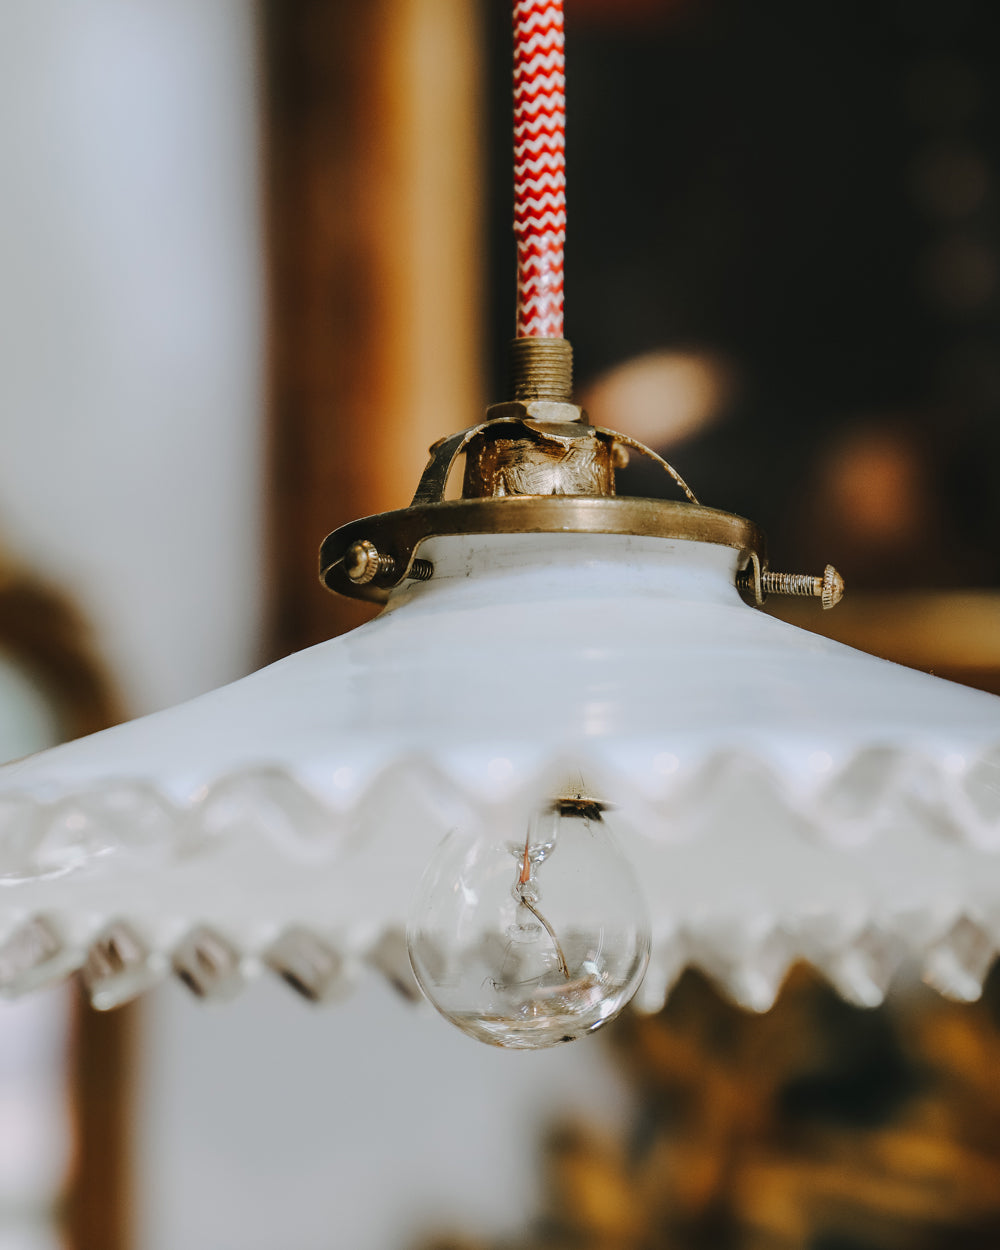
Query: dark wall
[{"x": 808, "y": 191}]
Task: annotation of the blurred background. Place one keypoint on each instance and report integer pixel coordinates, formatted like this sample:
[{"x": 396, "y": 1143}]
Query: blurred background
[{"x": 254, "y": 258}]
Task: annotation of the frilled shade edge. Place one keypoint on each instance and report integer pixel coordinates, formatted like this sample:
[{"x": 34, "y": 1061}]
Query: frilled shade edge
[{"x": 781, "y": 797}]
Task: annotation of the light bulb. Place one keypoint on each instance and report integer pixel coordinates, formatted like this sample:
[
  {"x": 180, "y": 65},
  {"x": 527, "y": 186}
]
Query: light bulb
[{"x": 534, "y": 939}]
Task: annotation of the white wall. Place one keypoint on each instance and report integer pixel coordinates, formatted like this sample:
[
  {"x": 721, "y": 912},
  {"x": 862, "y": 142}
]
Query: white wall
[
  {"x": 36, "y": 1131},
  {"x": 275, "y": 1125},
  {"x": 131, "y": 325}
]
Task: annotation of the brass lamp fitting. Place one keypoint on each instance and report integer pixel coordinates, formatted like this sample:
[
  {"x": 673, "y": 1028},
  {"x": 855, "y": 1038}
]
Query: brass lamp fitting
[{"x": 536, "y": 465}]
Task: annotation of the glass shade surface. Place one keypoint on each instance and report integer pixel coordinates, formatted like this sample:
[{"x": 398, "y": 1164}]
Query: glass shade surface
[{"x": 780, "y": 797}]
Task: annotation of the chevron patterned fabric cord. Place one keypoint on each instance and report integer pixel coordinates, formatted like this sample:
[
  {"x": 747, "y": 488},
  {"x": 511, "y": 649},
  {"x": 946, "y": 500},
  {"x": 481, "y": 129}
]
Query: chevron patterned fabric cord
[{"x": 539, "y": 166}]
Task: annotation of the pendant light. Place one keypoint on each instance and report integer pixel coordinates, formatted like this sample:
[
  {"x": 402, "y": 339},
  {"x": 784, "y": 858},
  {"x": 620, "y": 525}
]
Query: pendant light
[{"x": 569, "y": 747}]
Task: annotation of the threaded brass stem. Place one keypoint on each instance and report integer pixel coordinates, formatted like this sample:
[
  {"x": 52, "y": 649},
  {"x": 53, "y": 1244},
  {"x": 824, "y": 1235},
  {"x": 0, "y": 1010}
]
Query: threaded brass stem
[
  {"x": 829, "y": 587},
  {"x": 791, "y": 584},
  {"x": 541, "y": 369},
  {"x": 782, "y": 583}
]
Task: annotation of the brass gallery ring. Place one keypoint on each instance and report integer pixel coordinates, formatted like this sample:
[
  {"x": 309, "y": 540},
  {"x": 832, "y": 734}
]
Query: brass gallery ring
[{"x": 397, "y": 535}]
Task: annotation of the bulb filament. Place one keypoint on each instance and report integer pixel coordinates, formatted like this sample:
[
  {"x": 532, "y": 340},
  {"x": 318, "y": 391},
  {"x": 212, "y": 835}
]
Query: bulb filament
[
  {"x": 563, "y": 965},
  {"x": 524, "y": 878}
]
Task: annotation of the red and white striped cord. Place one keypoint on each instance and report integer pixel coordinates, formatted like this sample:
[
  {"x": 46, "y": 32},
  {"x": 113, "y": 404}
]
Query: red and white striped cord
[{"x": 539, "y": 166}]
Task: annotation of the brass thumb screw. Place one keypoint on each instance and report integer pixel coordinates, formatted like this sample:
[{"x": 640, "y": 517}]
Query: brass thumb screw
[
  {"x": 829, "y": 588},
  {"x": 363, "y": 562}
]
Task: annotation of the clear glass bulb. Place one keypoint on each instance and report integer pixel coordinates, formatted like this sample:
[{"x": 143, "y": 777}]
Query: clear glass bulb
[{"x": 534, "y": 940}]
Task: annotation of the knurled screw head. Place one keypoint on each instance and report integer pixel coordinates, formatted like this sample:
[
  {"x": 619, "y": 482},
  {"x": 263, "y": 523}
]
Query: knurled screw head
[
  {"x": 833, "y": 587},
  {"x": 361, "y": 562}
]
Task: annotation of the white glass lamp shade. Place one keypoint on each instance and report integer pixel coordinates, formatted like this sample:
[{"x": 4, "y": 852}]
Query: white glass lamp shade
[{"x": 778, "y": 796}]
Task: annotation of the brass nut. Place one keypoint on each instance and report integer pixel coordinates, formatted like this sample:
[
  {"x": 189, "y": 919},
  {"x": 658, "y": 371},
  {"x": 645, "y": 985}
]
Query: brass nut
[{"x": 544, "y": 411}]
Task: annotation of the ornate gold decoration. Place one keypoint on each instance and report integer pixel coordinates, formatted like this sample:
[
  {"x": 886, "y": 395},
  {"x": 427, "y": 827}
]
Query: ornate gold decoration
[
  {"x": 815, "y": 1124},
  {"x": 522, "y": 458}
]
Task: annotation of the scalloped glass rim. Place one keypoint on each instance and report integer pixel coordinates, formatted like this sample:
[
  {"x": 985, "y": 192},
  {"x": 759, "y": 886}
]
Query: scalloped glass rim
[
  {"x": 783, "y": 797},
  {"x": 911, "y": 890}
]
